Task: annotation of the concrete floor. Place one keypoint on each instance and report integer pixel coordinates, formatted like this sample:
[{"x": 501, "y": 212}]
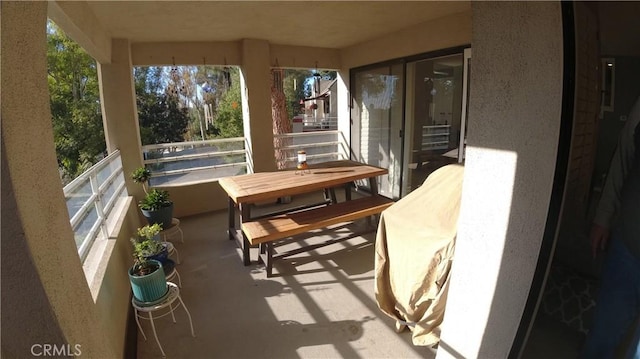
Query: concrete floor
[{"x": 317, "y": 305}]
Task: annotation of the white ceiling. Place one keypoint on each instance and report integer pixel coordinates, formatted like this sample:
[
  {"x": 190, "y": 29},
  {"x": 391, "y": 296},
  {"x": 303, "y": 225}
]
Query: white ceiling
[{"x": 330, "y": 24}]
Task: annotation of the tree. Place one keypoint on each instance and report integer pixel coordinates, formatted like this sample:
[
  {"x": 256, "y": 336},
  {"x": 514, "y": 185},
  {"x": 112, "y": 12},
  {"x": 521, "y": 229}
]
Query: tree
[
  {"x": 228, "y": 119},
  {"x": 161, "y": 117},
  {"x": 280, "y": 118},
  {"x": 296, "y": 88},
  {"x": 214, "y": 81},
  {"x": 75, "y": 104}
]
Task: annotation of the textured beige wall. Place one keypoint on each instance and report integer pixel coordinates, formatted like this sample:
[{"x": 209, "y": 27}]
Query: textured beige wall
[
  {"x": 81, "y": 24},
  {"x": 186, "y": 53},
  {"x": 304, "y": 57},
  {"x": 120, "y": 113},
  {"x": 445, "y": 32},
  {"x": 256, "y": 102},
  {"x": 114, "y": 298},
  {"x": 27, "y": 137},
  {"x": 514, "y": 119},
  {"x": 197, "y": 198},
  {"x": 21, "y": 284}
]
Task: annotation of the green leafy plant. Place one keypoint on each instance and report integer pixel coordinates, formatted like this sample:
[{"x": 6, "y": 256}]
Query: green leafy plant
[
  {"x": 144, "y": 246},
  {"x": 141, "y": 175},
  {"x": 154, "y": 198},
  {"x": 149, "y": 231}
]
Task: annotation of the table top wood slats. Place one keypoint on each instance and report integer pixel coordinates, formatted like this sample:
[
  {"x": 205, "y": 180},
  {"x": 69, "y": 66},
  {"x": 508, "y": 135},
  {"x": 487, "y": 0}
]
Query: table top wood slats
[{"x": 256, "y": 187}]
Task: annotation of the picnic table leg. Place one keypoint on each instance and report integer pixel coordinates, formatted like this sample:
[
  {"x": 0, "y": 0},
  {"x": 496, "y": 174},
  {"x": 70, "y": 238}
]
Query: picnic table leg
[
  {"x": 262, "y": 249},
  {"x": 269, "y": 264},
  {"x": 244, "y": 215},
  {"x": 373, "y": 185},
  {"x": 347, "y": 192},
  {"x": 330, "y": 195},
  {"x": 232, "y": 218}
]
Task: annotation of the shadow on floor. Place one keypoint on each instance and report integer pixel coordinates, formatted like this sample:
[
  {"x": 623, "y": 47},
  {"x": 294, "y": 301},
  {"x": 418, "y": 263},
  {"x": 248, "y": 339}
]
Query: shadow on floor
[{"x": 319, "y": 304}]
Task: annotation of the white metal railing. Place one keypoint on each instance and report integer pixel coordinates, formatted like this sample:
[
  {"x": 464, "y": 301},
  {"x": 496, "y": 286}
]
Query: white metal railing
[
  {"x": 187, "y": 162},
  {"x": 435, "y": 137},
  {"x": 319, "y": 145},
  {"x": 90, "y": 199},
  {"x": 191, "y": 162},
  {"x": 319, "y": 123}
]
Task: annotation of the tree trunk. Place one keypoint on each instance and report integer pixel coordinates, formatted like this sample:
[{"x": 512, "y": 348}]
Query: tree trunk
[{"x": 280, "y": 117}]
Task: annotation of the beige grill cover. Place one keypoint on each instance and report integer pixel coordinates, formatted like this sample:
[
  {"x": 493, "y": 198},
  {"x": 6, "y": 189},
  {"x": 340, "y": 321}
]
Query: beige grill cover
[{"x": 414, "y": 250}]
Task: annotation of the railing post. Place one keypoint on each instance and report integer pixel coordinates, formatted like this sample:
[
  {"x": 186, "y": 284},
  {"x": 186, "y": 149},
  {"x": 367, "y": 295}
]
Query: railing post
[{"x": 95, "y": 188}]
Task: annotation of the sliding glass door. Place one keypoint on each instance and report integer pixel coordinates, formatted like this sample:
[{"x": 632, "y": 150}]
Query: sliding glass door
[
  {"x": 377, "y": 112},
  {"x": 433, "y": 117},
  {"x": 408, "y": 116}
]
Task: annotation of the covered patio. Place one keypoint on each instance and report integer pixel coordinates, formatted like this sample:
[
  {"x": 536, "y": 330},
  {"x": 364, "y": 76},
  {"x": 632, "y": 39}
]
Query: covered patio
[{"x": 324, "y": 305}]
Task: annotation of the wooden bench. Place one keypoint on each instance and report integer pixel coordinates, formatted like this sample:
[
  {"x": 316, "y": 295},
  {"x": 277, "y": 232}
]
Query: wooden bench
[{"x": 265, "y": 230}]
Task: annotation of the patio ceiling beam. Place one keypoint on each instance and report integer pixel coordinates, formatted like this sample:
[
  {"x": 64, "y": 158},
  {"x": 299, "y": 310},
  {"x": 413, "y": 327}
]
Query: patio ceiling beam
[
  {"x": 306, "y": 57},
  {"x": 230, "y": 53},
  {"x": 77, "y": 20},
  {"x": 186, "y": 53}
]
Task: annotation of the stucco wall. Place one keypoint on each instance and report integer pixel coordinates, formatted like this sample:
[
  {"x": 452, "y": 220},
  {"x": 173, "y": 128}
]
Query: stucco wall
[
  {"x": 119, "y": 111},
  {"x": 197, "y": 198},
  {"x": 18, "y": 269},
  {"x": 40, "y": 220},
  {"x": 514, "y": 118},
  {"x": 113, "y": 302},
  {"x": 442, "y": 33}
]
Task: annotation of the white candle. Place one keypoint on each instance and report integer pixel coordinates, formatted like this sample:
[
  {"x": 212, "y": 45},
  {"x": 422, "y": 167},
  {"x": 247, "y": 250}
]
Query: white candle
[{"x": 302, "y": 156}]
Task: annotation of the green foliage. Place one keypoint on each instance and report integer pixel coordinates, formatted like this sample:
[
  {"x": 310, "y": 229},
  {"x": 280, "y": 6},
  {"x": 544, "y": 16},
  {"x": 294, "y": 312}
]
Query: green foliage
[
  {"x": 296, "y": 88},
  {"x": 141, "y": 175},
  {"x": 148, "y": 79},
  {"x": 149, "y": 231},
  {"x": 155, "y": 199},
  {"x": 144, "y": 246},
  {"x": 161, "y": 119},
  {"x": 228, "y": 119},
  {"x": 75, "y": 104}
]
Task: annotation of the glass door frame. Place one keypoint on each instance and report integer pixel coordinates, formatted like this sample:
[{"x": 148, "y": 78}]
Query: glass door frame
[
  {"x": 403, "y": 61},
  {"x": 466, "y": 73}
]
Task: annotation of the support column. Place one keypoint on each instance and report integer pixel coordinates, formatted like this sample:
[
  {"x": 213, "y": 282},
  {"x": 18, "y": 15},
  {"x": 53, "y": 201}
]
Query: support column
[
  {"x": 344, "y": 112},
  {"x": 256, "y": 103},
  {"x": 119, "y": 111},
  {"x": 512, "y": 145},
  {"x": 45, "y": 297}
]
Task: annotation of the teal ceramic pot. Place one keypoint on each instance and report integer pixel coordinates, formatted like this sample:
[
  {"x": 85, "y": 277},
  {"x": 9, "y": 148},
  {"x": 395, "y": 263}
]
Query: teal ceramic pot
[{"x": 151, "y": 287}]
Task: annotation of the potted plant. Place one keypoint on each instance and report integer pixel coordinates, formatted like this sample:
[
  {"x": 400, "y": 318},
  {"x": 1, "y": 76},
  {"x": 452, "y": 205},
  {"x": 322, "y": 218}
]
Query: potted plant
[
  {"x": 156, "y": 206},
  {"x": 147, "y": 276},
  {"x": 148, "y": 244},
  {"x": 151, "y": 231}
]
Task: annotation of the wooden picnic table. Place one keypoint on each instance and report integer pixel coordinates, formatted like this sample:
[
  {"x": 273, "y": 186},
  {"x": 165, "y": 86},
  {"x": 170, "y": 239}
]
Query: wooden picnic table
[{"x": 249, "y": 189}]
